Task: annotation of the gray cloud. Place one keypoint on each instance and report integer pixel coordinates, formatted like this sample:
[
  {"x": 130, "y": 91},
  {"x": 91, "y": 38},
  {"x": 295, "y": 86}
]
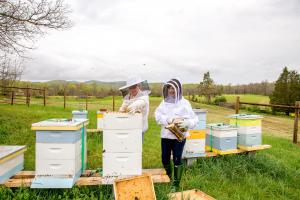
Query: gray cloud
[{"x": 238, "y": 41}]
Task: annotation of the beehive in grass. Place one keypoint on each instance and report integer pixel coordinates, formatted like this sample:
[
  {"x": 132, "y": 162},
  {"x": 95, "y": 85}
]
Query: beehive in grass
[
  {"x": 249, "y": 129},
  {"x": 61, "y": 152},
  {"x": 79, "y": 114},
  {"x": 11, "y": 161},
  {"x": 221, "y": 138},
  {"x": 195, "y": 142},
  {"x": 100, "y": 115},
  {"x": 122, "y": 144}
]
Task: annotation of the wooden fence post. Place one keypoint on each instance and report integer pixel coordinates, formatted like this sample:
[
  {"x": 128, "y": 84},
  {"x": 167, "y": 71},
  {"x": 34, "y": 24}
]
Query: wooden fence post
[
  {"x": 297, "y": 109},
  {"x": 44, "y": 94},
  {"x": 64, "y": 98},
  {"x": 27, "y": 95},
  {"x": 237, "y": 105},
  {"x": 12, "y": 97},
  {"x": 113, "y": 102},
  {"x": 86, "y": 101}
]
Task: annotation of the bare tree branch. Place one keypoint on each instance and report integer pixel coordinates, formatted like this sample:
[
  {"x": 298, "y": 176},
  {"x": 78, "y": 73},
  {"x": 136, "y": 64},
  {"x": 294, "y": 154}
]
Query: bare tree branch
[{"x": 23, "y": 21}]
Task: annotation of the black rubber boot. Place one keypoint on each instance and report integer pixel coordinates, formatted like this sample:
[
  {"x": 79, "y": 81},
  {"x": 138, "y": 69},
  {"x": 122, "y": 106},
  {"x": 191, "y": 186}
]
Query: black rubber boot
[
  {"x": 169, "y": 171},
  {"x": 178, "y": 171}
]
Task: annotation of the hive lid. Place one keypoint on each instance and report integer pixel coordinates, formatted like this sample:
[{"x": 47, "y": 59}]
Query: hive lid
[
  {"x": 245, "y": 116},
  {"x": 79, "y": 112},
  {"x": 221, "y": 126},
  {"x": 8, "y": 152},
  {"x": 60, "y": 124},
  {"x": 53, "y": 182}
]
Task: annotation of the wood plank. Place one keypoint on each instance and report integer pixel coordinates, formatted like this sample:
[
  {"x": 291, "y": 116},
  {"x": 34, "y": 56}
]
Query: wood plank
[
  {"x": 82, "y": 181},
  {"x": 190, "y": 194},
  {"x": 254, "y": 148},
  {"x": 12, "y": 183},
  {"x": 87, "y": 173}
]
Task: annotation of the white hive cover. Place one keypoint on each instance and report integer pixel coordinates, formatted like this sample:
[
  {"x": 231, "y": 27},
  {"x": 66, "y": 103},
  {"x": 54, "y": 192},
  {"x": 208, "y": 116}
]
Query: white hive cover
[
  {"x": 60, "y": 122},
  {"x": 9, "y": 150},
  {"x": 245, "y": 116}
]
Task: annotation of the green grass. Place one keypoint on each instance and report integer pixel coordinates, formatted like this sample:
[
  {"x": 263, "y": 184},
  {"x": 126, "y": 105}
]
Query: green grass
[
  {"x": 270, "y": 174},
  {"x": 251, "y": 98}
]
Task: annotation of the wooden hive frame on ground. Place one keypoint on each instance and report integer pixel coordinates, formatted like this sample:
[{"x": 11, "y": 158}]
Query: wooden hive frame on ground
[
  {"x": 190, "y": 195},
  {"x": 135, "y": 188}
]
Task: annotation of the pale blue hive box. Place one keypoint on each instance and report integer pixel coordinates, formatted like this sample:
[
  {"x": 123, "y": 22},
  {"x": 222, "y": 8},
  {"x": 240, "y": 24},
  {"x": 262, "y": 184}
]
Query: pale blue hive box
[
  {"x": 60, "y": 155},
  {"x": 11, "y": 161},
  {"x": 221, "y": 136},
  {"x": 201, "y": 114}
]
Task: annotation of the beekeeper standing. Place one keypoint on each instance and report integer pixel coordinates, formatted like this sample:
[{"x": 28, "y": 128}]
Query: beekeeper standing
[
  {"x": 174, "y": 108},
  {"x": 136, "y": 98}
]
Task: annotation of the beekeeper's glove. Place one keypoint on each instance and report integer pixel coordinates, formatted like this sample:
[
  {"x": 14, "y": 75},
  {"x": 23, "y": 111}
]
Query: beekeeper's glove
[
  {"x": 185, "y": 124},
  {"x": 124, "y": 106},
  {"x": 136, "y": 106}
]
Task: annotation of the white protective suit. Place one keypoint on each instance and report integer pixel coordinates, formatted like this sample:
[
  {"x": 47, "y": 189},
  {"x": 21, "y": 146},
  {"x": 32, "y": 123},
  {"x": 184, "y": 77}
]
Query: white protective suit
[
  {"x": 139, "y": 103},
  {"x": 180, "y": 108}
]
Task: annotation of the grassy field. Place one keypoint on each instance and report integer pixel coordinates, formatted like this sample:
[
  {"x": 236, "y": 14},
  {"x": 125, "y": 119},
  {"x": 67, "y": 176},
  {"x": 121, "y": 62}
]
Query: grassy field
[
  {"x": 271, "y": 174},
  {"x": 231, "y": 98}
]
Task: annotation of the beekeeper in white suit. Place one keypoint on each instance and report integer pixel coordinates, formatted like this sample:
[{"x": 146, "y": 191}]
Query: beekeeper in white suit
[
  {"x": 174, "y": 107},
  {"x": 136, "y": 98}
]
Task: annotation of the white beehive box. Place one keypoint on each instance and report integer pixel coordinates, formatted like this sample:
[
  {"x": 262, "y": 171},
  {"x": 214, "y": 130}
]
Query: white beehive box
[
  {"x": 122, "y": 144},
  {"x": 195, "y": 144},
  {"x": 11, "y": 161},
  {"x": 122, "y": 121},
  {"x": 61, "y": 152}
]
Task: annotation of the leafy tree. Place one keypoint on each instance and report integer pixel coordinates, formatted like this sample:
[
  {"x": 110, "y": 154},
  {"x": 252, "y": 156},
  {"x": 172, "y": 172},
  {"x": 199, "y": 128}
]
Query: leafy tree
[
  {"x": 287, "y": 90},
  {"x": 207, "y": 88}
]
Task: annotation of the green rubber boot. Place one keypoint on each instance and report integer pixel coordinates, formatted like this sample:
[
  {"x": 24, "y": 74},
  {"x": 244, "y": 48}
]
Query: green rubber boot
[
  {"x": 178, "y": 171},
  {"x": 169, "y": 171}
]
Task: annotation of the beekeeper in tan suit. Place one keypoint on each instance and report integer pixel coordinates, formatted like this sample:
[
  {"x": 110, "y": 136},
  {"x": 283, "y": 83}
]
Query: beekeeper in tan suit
[{"x": 136, "y": 98}]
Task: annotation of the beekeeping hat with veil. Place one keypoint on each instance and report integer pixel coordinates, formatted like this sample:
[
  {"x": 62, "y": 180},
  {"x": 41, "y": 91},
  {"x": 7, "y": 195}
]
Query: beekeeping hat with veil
[
  {"x": 175, "y": 83},
  {"x": 135, "y": 81}
]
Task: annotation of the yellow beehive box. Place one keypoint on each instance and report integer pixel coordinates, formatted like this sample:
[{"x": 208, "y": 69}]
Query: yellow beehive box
[
  {"x": 196, "y": 134},
  {"x": 245, "y": 120}
]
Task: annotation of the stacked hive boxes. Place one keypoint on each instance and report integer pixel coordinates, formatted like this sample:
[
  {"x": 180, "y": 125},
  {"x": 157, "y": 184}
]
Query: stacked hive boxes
[
  {"x": 100, "y": 115},
  {"x": 195, "y": 143},
  {"x": 221, "y": 138},
  {"x": 80, "y": 114},
  {"x": 249, "y": 129},
  {"x": 61, "y": 154},
  {"x": 11, "y": 161},
  {"x": 122, "y": 144}
]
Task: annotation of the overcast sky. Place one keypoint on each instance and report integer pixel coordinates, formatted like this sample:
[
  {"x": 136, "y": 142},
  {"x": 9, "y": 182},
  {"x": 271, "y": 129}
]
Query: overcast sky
[{"x": 238, "y": 41}]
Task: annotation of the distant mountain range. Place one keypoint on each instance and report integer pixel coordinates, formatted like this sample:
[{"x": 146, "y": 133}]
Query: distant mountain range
[{"x": 112, "y": 84}]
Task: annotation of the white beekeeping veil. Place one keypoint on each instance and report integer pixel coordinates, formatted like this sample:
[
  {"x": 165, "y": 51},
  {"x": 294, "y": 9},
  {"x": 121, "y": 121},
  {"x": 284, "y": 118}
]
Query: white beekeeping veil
[{"x": 142, "y": 84}]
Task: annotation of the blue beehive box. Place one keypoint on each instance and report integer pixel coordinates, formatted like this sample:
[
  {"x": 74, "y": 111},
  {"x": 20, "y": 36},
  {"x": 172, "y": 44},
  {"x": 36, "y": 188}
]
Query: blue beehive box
[
  {"x": 221, "y": 137},
  {"x": 201, "y": 114},
  {"x": 61, "y": 152}
]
